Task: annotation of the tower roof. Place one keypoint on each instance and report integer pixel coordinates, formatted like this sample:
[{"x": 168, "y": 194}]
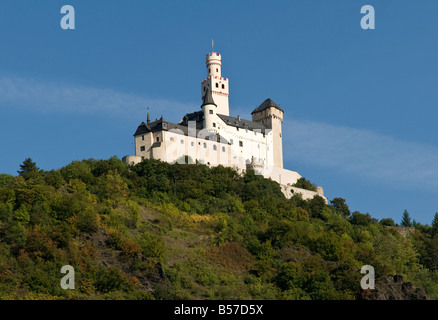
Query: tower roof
[
  {"x": 268, "y": 103},
  {"x": 208, "y": 98}
]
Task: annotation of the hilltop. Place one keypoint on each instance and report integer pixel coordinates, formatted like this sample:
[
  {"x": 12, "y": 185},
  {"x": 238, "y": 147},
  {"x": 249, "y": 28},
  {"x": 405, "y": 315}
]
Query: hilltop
[{"x": 161, "y": 231}]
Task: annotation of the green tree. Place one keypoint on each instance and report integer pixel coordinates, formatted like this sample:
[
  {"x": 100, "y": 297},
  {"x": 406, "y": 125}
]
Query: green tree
[
  {"x": 303, "y": 183},
  {"x": 406, "y": 219},
  {"x": 340, "y": 206},
  {"x": 387, "y": 222},
  {"x": 434, "y": 229},
  {"x": 28, "y": 169}
]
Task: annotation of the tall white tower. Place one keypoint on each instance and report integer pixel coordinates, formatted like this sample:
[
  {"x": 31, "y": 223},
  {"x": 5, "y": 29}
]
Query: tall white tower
[{"x": 218, "y": 85}]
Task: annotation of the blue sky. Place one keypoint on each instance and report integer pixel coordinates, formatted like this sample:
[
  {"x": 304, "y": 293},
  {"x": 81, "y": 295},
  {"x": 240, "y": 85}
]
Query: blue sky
[{"x": 360, "y": 105}]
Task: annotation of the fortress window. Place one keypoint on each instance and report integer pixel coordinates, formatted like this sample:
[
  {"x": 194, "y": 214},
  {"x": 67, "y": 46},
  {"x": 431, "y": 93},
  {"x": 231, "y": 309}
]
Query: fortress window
[
  {"x": 223, "y": 86},
  {"x": 210, "y": 111},
  {"x": 205, "y": 145},
  {"x": 142, "y": 137},
  {"x": 217, "y": 70},
  {"x": 142, "y": 148},
  {"x": 209, "y": 70},
  {"x": 204, "y": 89},
  {"x": 217, "y": 85},
  {"x": 171, "y": 139},
  {"x": 158, "y": 139},
  {"x": 240, "y": 143},
  {"x": 214, "y": 125},
  {"x": 214, "y": 147},
  {"x": 182, "y": 141},
  {"x": 192, "y": 144},
  {"x": 223, "y": 149}
]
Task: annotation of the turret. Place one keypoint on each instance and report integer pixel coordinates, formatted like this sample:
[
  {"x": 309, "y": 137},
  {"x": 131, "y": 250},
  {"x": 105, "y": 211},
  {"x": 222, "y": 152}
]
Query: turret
[{"x": 209, "y": 108}]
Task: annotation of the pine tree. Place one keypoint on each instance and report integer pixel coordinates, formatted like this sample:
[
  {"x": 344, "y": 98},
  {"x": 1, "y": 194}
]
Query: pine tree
[
  {"x": 406, "y": 219},
  {"x": 434, "y": 229},
  {"x": 29, "y": 169}
]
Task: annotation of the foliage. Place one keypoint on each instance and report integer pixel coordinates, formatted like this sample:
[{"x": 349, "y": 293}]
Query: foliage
[
  {"x": 303, "y": 183},
  {"x": 177, "y": 231}
]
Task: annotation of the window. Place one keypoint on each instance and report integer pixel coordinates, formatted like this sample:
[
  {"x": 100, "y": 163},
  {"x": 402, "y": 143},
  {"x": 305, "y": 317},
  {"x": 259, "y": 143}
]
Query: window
[
  {"x": 205, "y": 145},
  {"x": 214, "y": 147},
  {"x": 217, "y": 85},
  {"x": 209, "y": 70},
  {"x": 204, "y": 89},
  {"x": 182, "y": 141},
  {"x": 171, "y": 139},
  {"x": 223, "y": 149},
  {"x": 192, "y": 144},
  {"x": 231, "y": 141},
  {"x": 223, "y": 86},
  {"x": 142, "y": 148},
  {"x": 210, "y": 111},
  {"x": 214, "y": 125},
  {"x": 237, "y": 128},
  {"x": 240, "y": 143},
  {"x": 217, "y": 69},
  {"x": 158, "y": 139},
  {"x": 142, "y": 137}
]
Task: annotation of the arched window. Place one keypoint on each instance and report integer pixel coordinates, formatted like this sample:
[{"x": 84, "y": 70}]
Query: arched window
[
  {"x": 217, "y": 85},
  {"x": 223, "y": 86}
]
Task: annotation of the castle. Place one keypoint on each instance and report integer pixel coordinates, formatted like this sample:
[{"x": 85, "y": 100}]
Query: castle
[{"x": 212, "y": 137}]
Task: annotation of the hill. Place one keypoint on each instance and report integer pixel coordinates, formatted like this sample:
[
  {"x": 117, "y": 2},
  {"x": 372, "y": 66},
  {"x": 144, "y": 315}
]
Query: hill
[{"x": 161, "y": 231}]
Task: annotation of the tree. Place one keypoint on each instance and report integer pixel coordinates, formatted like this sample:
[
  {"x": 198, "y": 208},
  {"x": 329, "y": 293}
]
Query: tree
[
  {"x": 387, "y": 222},
  {"x": 303, "y": 183},
  {"x": 362, "y": 219},
  {"x": 340, "y": 206},
  {"x": 29, "y": 169},
  {"x": 434, "y": 225},
  {"x": 406, "y": 219}
]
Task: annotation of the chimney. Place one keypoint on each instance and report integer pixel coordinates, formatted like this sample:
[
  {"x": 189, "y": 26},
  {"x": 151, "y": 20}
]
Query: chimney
[{"x": 238, "y": 118}]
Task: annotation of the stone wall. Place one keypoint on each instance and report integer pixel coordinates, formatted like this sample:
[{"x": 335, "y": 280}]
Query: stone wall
[{"x": 289, "y": 191}]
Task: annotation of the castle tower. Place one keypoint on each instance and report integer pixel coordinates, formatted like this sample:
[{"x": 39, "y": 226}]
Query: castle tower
[
  {"x": 271, "y": 115},
  {"x": 216, "y": 83}
]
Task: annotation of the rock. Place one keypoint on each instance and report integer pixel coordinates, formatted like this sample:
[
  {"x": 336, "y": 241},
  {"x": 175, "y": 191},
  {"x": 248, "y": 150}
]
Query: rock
[{"x": 394, "y": 288}]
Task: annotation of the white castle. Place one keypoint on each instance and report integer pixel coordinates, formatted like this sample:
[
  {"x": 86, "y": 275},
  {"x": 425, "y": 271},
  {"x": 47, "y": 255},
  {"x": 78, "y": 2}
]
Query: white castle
[{"x": 212, "y": 137}]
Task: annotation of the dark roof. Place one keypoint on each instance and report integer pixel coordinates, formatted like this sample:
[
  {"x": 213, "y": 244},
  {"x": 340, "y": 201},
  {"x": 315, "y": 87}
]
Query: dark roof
[
  {"x": 161, "y": 124},
  {"x": 268, "y": 103},
  {"x": 242, "y": 123},
  {"x": 208, "y": 98},
  {"x": 197, "y": 116}
]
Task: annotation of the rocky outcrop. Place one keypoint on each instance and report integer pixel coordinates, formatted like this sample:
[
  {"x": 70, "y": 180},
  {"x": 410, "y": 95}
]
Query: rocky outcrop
[{"x": 394, "y": 288}]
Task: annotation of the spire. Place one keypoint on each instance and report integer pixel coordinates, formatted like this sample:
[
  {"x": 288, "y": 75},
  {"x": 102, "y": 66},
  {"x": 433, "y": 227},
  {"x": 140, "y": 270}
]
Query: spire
[
  {"x": 208, "y": 98},
  {"x": 149, "y": 118}
]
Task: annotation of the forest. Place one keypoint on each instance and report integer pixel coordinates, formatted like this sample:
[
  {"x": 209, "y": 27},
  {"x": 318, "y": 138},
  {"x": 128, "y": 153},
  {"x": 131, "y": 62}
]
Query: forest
[{"x": 174, "y": 231}]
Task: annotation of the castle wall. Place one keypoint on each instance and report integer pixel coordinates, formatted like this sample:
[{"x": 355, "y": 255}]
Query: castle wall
[{"x": 289, "y": 191}]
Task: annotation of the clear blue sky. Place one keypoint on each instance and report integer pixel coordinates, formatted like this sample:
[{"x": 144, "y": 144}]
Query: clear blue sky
[{"x": 360, "y": 106}]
